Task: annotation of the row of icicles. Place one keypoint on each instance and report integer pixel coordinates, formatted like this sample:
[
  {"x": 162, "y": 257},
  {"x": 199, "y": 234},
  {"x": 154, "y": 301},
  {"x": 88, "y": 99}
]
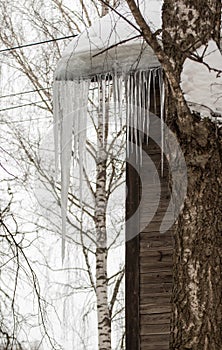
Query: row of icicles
[{"x": 129, "y": 98}]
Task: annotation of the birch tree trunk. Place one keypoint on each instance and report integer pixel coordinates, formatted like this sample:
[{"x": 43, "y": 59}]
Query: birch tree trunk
[
  {"x": 197, "y": 276},
  {"x": 103, "y": 312}
]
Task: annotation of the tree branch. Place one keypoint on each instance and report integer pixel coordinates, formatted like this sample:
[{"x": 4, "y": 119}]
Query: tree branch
[{"x": 163, "y": 58}]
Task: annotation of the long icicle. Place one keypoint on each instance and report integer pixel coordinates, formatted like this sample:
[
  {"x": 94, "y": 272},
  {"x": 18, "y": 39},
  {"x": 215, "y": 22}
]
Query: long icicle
[
  {"x": 131, "y": 106},
  {"x": 103, "y": 86},
  {"x": 120, "y": 98},
  {"x": 143, "y": 97},
  {"x": 56, "y": 126},
  {"x": 135, "y": 113},
  {"x": 154, "y": 91},
  {"x": 115, "y": 96},
  {"x": 66, "y": 152},
  {"x": 148, "y": 89},
  {"x": 139, "y": 109},
  {"x": 82, "y": 132},
  {"x": 127, "y": 94},
  {"x": 162, "y": 102}
]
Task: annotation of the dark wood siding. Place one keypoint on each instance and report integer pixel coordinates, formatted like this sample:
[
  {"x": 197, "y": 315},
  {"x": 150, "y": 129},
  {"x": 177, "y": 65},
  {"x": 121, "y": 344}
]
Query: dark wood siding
[
  {"x": 155, "y": 261},
  {"x": 148, "y": 262}
]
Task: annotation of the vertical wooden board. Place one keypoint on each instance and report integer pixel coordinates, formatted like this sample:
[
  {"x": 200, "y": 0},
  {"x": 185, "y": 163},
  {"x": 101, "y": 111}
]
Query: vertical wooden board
[{"x": 132, "y": 263}]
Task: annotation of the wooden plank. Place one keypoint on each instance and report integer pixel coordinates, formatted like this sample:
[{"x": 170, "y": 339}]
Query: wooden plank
[
  {"x": 154, "y": 309},
  {"x": 164, "y": 254},
  {"x": 155, "y": 233},
  {"x": 157, "y": 339},
  {"x": 154, "y": 329},
  {"x": 156, "y": 268},
  {"x": 162, "y": 206},
  {"x": 154, "y": 225},
  {"x": 151, "y": 190},
  {"x": 160, "y": 259},
  {"x": 146, "y": 345},
  {"x": 160, "y": 276},
  {"x": 154, "y": 300},
  {"x": 145, "y": 249},
  {"x": 156, "y": 256},
  {"x": 154, "y": 346},
  {"x": 148, "y": 319},
  {"x": 147, "y": 233},
  {"x": 155, "y": 243},
  {"x": 156, "y": 277},
  {"x": 148, "y": 210},
  {"x": 156, "y": 288},
  {"x": 152, "y": 296}
]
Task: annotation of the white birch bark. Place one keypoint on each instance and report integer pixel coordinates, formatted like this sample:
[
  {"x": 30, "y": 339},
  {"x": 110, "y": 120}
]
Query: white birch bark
[{"x": 103, "y": 313}]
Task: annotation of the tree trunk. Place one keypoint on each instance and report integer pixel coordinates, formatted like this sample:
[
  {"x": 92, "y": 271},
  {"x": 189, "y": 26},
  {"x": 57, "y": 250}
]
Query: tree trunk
[
  {"x": 197, "y": 276},
  {"x": 197, "y": 285},
  {"x": 103, "y": 312}
]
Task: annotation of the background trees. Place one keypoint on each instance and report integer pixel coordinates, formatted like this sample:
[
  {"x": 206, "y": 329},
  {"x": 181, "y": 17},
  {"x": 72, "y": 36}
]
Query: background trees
[{"x": 52, "y": 305}]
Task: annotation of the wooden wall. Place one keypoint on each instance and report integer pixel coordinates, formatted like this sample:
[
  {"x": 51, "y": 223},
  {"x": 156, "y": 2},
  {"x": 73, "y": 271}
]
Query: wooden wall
[
  {"x": 148, "y": 261},
  {"x": 155, "y": 263}
]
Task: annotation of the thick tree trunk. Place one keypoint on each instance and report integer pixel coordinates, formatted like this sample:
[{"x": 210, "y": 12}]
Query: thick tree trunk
[
  {"x": 197, "y": 292},
  {"x": 103, "y": 312}
]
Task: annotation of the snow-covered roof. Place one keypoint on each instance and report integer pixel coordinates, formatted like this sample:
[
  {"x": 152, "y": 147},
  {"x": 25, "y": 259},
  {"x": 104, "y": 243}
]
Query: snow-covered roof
[
  {"x": 201, "y": 82},
  {"x": 112, "y": 35},
  {"x": 111, "y": 44}
]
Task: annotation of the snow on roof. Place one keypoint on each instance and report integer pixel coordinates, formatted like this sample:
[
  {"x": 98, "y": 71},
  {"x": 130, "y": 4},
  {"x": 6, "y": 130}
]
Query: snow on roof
[
  {"x": 202, "y": 82},
  {"x": 79, "y": 58}
]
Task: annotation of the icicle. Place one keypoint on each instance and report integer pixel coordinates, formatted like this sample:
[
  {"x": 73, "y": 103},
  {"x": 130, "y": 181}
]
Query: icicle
[
  {"x": 70, "y": 113},
  {"x": 103, "y": 86},
  {"x": 162, "y": 101},
  {"x": 131, "y": 113},
  {"x": 131, "y": 106},
  {"x": 120, "y": 98},
  {"x": 76, "y": 95},
  {"x": 108, "y": 101},
  {"x": 115, "y": 97},
  {"x": 127, "y": 97},
  {"x": 148, "y": 89},
  {"x": 154, "y": 91},
  {"x": 82, "y": 131},
  {"x": 66, "y": 152},
  {"x": 135, "y": 114},
  {"x": 143, "y": 108},
  {"x": 56, "y": 117},
  {"x": 139, "y": 83}
]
